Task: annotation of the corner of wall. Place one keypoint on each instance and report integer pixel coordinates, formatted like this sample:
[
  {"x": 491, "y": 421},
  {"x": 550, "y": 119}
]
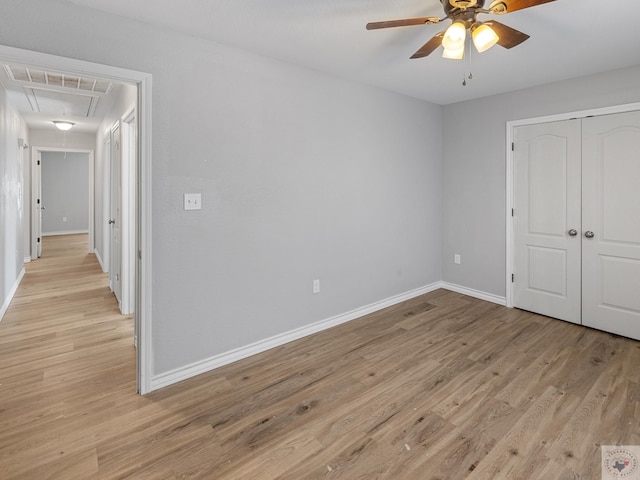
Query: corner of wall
[{"x": 12, "y": 292}]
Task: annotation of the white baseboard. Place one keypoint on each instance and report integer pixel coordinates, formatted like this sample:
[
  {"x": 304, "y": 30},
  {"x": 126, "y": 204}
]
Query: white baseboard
[
  {"x": 64, "y": 232},
  {"x": 27, "y": 259},
  {"x": 12, "y": 292},
  {"x": 97, "y": 254},
  {"x": 489, "y": 297},
  {"x": 188, "y": 371}
]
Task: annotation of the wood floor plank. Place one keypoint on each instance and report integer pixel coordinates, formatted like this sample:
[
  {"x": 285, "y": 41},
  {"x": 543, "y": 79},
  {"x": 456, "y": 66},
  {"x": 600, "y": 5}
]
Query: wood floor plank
[{"x": 442, "y": 386}]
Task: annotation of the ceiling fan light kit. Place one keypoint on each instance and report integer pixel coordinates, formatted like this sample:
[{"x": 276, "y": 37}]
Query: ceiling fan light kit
[
  {"x": 453, "y": 54},
  {"x": 484, "y": 37},
  {"x": 463, "y": 15},
  {"x": 455, "y": 36}
]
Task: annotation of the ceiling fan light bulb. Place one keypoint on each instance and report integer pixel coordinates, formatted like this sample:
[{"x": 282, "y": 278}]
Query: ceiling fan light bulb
[
  {"x": 457, "y": 54},
  {"x": 454, "y": 36},
  {"x": 484, "y": 37}
]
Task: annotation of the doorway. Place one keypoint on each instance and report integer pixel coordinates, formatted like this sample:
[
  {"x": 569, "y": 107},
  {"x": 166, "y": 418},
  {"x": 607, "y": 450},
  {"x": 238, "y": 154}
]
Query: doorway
[
  {"x": 38, "y": 201},
  {"x": 576, "y": 238},
  {"x": 142, "y": 250}
]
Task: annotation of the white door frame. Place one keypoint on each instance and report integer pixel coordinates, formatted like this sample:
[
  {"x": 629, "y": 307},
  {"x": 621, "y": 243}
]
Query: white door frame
[
  {"x": 511, "y": 125},
  {"x": 16, "y": 56},
  {"x": 34, "y": 194},
  {"x": 128, "y": 175}
]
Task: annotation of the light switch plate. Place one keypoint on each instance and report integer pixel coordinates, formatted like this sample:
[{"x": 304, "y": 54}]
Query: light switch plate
[{"x": 192, "y": 201}]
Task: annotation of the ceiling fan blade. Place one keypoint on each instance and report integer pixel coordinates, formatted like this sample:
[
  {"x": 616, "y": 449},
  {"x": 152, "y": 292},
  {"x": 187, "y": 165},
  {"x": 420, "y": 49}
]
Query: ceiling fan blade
[
  {"x": 430, "y": 46},
  {"x": 405, "y": 22},
  {"x": 508, "y": 6},
  {"x": 508, "y": 37}
]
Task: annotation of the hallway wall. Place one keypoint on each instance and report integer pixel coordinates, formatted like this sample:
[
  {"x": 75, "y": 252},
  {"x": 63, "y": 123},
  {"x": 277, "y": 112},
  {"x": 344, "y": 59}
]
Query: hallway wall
[
  {"x": 124, "y": 103},
  {"x": 12, "y": 193}
]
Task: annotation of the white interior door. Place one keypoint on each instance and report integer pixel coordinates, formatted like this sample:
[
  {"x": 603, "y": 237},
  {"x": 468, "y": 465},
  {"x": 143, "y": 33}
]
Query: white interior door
[
  {"x": 115, "y": 221},
  {"x": 546, "y": 219},
  {"x": 611, "y": 223}
]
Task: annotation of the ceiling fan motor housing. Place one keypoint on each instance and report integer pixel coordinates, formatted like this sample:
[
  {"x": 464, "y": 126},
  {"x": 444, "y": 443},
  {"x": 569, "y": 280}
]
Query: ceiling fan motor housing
[
  {"x": 456, "y": 8},
  {"x": 463, "y": 4}
]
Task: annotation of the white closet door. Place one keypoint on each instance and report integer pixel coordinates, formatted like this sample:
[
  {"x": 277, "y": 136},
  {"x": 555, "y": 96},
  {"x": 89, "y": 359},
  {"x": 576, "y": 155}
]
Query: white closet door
[
  {"x": 611, "y": 212},
  {"x": 547, "y": 219}
]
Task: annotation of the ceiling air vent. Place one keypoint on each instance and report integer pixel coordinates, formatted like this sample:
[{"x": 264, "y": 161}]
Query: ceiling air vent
[{"x": 34, "y": 76}]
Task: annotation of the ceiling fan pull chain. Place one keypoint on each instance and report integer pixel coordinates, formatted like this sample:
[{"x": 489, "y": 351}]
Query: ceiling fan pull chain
[
  {"x": 468, "y": 64},
  {"x": 469, "y": 49}
]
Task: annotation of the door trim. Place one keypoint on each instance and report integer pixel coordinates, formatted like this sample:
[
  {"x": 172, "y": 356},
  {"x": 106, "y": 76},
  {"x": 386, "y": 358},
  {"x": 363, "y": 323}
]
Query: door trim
[
  {"x": 510, "y": 126},
  {"x": 34, "y": 158},
  {"x": 106, "y": 204},
  {"x": 143, "y": 254}
]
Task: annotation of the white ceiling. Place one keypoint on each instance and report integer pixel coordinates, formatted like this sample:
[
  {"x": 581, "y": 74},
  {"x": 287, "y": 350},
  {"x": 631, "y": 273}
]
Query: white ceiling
[
  {"x": 569, "y": 38},
  {"x": 44, "y": 96}
]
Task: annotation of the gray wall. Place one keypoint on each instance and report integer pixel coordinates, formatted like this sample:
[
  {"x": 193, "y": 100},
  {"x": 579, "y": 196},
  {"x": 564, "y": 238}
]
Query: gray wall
[
  {"x": 302, "y": 176},
  {"x": 65, "y": 192},
  {"x": 473, "y": 180},
  {"x": 12, "y": 208}
]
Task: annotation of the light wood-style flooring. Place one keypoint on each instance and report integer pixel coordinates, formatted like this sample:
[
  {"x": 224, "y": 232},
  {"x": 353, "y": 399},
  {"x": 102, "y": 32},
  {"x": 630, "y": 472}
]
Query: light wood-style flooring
[{"x": 440, "y": 387}]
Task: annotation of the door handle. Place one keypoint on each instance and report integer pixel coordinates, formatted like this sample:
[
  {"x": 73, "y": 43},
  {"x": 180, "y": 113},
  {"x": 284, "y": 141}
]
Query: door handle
[
  {"x": 573, "y": 232},
  {"x": 589, "y": 234},
  {"x": 111, "y": 222}
]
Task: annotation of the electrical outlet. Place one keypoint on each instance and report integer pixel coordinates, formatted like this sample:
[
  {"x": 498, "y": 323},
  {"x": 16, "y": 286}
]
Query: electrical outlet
[
  {"x": 456, "y": 259},
  {"x": 316, "y": 286},
  {"x": 192, "y": 201}
]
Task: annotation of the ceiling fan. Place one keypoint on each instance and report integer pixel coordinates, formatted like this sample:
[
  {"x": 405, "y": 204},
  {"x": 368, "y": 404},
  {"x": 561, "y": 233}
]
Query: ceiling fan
[{"x": 463, "y": 14}]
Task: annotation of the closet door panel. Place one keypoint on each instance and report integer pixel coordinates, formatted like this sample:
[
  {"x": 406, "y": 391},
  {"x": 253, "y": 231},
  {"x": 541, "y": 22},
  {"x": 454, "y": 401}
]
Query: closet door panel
[
  {"x": 611, "y": 223},
  {"x": 546, "y": 211}
]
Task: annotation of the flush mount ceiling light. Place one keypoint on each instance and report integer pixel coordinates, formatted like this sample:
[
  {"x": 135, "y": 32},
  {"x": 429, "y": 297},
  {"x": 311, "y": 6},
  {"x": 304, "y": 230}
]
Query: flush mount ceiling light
[
  {"x": 463, "y": 15},
  {"x": 63, "y": 124}
]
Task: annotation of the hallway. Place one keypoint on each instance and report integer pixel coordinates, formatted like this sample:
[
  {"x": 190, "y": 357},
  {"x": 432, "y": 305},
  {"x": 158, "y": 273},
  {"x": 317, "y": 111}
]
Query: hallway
[{"x": 66, "y": 353}]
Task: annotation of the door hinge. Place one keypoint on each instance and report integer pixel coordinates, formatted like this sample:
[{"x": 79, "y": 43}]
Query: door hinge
[
  {"x": 38, "y": 162},
  {"x": 513, "y": 147},
  {"x": 512, "y": 212},
  {"x": 38, "y": 201},
  {"x": 38, "y": 239},
  {"x": 513, "y": 277},
  {"x": 139, "y": 254}
]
